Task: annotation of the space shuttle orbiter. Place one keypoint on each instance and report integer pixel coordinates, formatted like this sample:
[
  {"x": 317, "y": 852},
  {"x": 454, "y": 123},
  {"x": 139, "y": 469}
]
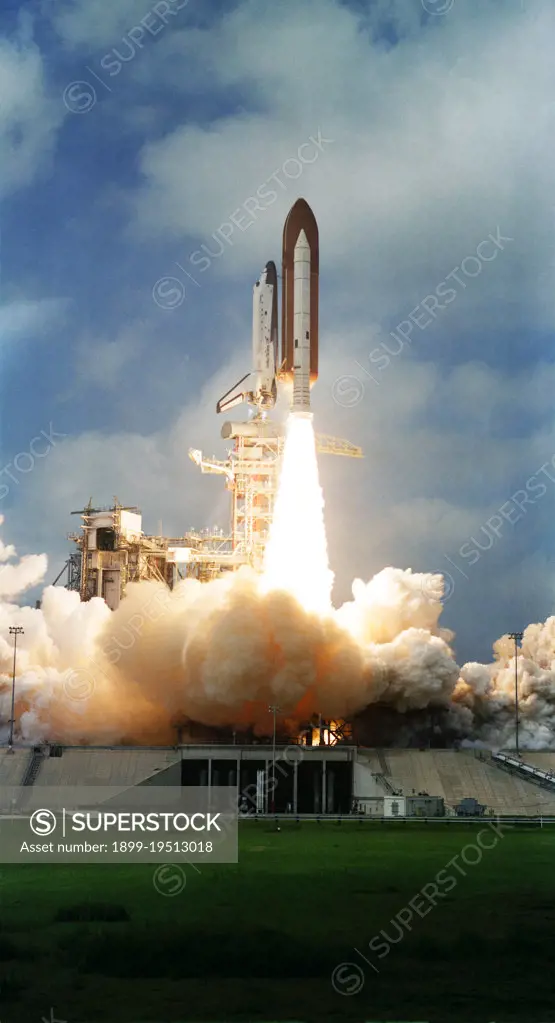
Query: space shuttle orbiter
[{"x": 263, "y": 392}]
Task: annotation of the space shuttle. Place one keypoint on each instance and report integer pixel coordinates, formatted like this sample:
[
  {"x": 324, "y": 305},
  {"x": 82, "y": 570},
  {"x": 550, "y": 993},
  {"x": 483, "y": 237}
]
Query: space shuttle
[{"x": 299, "y": 345}]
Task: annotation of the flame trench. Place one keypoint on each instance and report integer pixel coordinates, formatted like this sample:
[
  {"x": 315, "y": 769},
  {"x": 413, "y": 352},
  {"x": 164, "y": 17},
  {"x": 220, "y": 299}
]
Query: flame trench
[{"x": 296, "y": 557}]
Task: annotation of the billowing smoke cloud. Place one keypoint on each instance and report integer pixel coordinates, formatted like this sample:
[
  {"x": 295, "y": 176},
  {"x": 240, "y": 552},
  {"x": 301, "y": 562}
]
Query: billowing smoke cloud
[
  {"x": 16, "y": 579},
  {"x": 219, "y": 653},
  {"x": 484, "y": 697}
]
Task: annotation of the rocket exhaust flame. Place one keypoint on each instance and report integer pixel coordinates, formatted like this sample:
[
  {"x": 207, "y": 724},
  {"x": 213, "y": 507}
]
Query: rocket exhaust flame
[{"x": 297, "y": 554}]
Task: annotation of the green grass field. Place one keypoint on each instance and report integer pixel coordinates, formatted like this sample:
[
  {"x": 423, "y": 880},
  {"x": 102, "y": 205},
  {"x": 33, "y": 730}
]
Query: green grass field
[{"x": 259, "y": 940}]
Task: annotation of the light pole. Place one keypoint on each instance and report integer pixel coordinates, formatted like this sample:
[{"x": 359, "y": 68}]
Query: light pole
[
  {"x": 517, "y": 636},
  {"x": 274, "y": 709},
  {"x": 15, "y": 631}
]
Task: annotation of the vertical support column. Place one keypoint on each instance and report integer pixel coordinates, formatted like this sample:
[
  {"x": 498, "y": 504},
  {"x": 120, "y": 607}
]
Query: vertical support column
[
  {"x": 316, "y": 790},
  {"x": 330, "y": 791},
  {"x": 324, "y": 801},
  {"x": 295, "y": 784}
]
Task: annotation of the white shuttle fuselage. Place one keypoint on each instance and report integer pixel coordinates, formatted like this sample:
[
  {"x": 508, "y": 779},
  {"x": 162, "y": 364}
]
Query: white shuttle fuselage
[
  {"x": 264, "y": 339},
  {"x": 263, "y": 391}
]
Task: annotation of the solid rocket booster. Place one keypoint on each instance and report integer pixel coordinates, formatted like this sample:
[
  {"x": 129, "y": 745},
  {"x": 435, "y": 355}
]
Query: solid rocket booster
[
  {"x": 300, "y": 303},
  {"x": 301, "y": 325}
]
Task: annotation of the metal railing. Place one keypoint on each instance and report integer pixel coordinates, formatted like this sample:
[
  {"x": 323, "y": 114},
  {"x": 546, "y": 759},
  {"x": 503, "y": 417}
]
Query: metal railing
[
  {"x": 328, "y": 818},
  {"x": 33, "y": 767},
  {"x": 520, "y": 767}
]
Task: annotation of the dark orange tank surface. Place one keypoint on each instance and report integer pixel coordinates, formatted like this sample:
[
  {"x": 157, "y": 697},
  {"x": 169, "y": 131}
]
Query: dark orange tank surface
[{"x": 299, "y": 218}]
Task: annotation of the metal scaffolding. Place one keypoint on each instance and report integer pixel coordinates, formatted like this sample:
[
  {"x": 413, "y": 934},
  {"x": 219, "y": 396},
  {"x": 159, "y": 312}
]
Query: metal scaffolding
[{"x": 252, "y": 472}]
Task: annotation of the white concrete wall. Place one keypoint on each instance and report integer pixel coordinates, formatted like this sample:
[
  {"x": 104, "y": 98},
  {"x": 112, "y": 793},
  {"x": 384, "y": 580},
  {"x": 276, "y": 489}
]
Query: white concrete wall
[{"x": 364, "y": 784}]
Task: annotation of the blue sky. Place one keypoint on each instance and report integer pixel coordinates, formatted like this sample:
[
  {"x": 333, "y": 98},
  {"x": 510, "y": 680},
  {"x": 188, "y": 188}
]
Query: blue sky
[{"x": 436, "y": 135}]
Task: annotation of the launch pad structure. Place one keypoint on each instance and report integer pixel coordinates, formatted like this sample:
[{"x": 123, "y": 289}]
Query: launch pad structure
[{"x": 112, "y": 549}]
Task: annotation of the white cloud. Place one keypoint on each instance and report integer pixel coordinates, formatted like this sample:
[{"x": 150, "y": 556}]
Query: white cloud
[
  {"x": 154, "y": 472},
  {"x": 29, "y": 118},
  {"x": 93, "y": 23},
  {"x": 435, "y": 140},
  {"x": 27, "y": 318},
  {"x": 101, "y": 363}
]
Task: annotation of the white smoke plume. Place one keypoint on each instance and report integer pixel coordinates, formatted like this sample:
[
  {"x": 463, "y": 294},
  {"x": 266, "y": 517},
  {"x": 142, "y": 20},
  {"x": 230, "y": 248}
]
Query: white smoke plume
[
  {"x": 218, "y": 653},
  {"x": 488, "y": 691},
  {"x": 15, "y": 579}
]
